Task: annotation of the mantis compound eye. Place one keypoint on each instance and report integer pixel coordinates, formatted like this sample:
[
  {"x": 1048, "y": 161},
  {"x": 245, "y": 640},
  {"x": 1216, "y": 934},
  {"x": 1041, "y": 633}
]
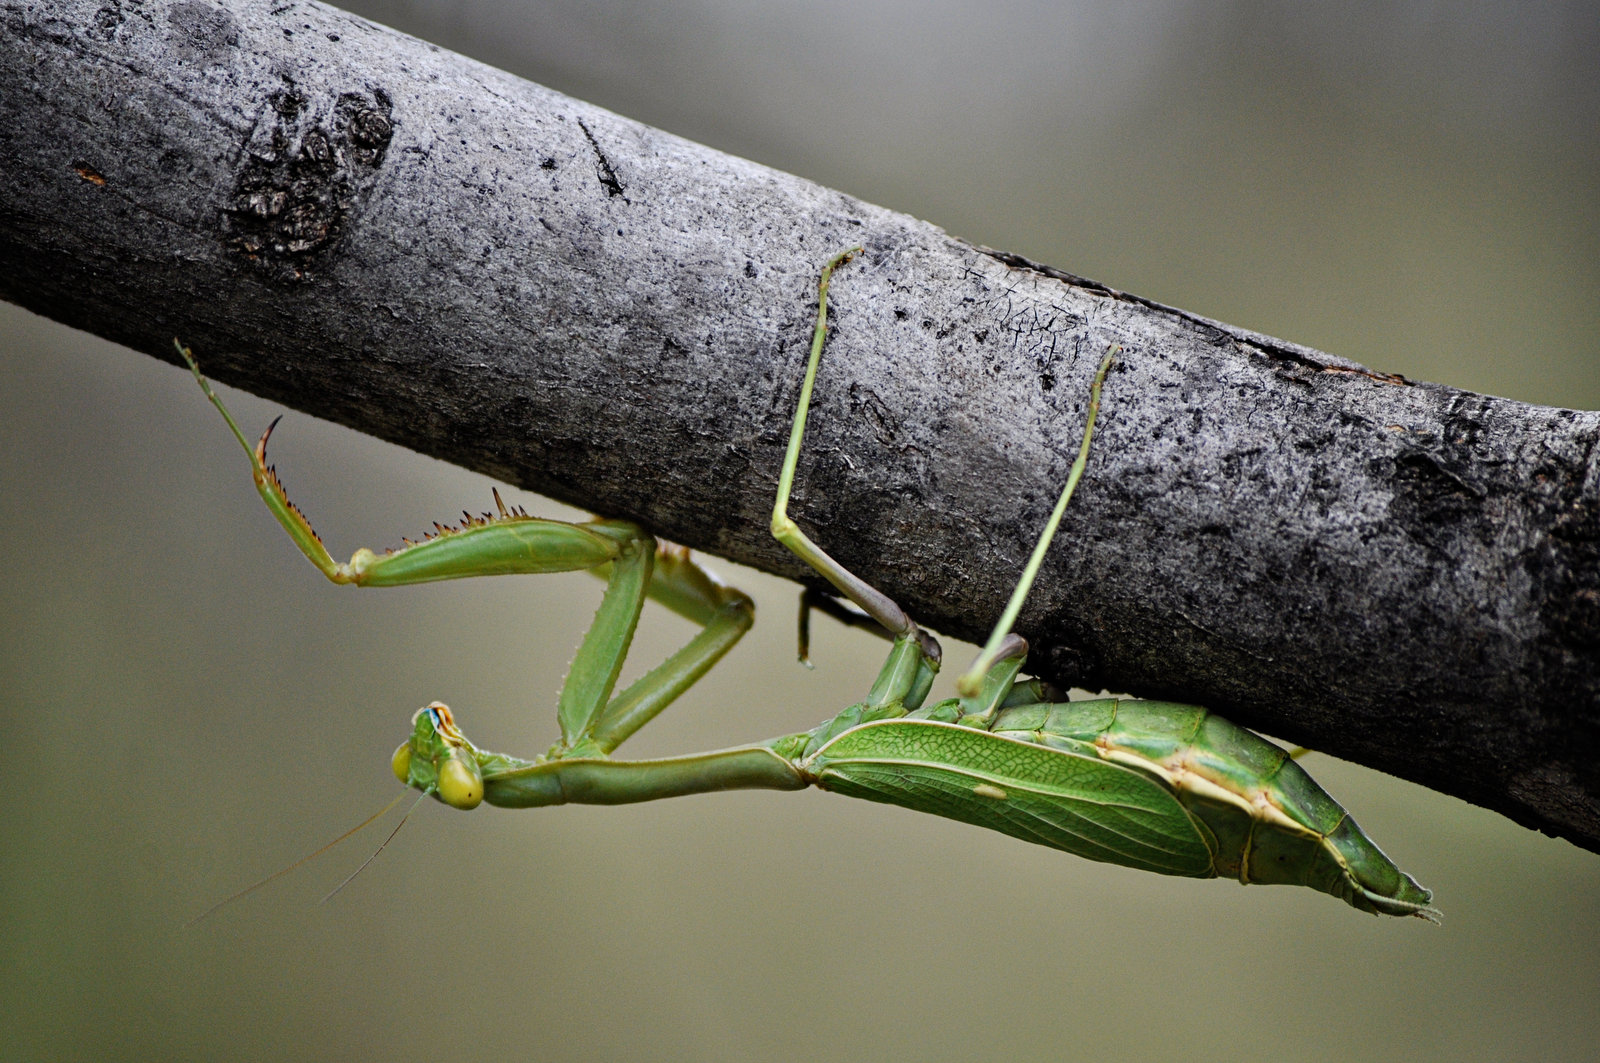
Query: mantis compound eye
[
  {"x": 401, "y": 762},
  {"x": 460, "y": 783}
]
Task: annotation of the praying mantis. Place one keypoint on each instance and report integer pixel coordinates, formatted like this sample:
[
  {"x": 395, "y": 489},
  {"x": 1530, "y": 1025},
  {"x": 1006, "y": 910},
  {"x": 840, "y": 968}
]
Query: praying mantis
[{"x": 1153, "y": 785}]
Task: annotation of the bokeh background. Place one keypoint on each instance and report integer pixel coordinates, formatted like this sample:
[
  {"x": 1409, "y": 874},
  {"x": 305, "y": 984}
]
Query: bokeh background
[{"x": 186, "y": 706}]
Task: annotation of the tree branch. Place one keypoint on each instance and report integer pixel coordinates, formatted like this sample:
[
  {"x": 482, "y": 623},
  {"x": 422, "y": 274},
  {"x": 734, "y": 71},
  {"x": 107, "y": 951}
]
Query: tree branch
[{"x": 370, "y": 229}]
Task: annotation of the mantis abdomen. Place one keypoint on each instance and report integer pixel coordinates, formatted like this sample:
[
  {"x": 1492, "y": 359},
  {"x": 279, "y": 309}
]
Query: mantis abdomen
[{"x": 1155, "y": 785}]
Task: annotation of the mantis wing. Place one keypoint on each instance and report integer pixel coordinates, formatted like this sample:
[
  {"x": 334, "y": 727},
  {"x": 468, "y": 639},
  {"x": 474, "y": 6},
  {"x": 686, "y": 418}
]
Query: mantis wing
[{"x": 1078, "y": 804}]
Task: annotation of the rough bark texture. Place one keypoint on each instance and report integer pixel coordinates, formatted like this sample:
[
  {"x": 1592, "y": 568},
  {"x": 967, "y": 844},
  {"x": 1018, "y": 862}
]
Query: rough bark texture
[{"x": 362, "y": 226}]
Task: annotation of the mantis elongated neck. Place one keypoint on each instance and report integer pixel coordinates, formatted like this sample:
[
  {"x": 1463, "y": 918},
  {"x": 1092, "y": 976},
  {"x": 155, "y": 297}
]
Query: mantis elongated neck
[{"x": 597, "y": 781}]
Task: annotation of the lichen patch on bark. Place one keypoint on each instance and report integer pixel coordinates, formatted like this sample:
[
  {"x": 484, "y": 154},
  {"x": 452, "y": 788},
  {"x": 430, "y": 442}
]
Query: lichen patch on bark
[{"x": 307, "y": 166}]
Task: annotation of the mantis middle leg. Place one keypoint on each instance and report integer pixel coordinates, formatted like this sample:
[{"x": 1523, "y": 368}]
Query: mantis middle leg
[{"x": 916, "y": 655}]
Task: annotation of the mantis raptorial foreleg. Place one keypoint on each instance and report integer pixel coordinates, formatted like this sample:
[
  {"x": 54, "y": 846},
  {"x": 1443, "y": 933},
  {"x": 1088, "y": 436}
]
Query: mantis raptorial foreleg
[
  {"x": 592, "y": 720},
  {"x": 1152, "y": 785}
]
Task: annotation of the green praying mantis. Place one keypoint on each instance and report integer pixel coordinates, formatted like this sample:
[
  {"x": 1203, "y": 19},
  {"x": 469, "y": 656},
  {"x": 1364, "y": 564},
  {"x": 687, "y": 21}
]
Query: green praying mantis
[{"x": 1164, "y": 787}]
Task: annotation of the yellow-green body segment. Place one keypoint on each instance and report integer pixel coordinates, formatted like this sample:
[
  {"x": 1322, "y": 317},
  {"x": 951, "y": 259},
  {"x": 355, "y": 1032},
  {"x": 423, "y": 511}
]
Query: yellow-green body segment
[{"x": 1154, "y": 785}]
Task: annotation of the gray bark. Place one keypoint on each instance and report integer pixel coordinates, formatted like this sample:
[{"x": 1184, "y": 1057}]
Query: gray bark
[{"x": 362, "y": 226}]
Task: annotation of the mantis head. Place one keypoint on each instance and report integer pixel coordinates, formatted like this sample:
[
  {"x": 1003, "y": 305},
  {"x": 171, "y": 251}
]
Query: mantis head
[{"x": 438, "y": 759}]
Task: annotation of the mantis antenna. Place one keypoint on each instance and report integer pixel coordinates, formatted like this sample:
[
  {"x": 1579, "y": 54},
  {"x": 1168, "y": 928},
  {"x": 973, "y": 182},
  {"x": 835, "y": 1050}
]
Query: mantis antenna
[{"x": 306, "y": 860}]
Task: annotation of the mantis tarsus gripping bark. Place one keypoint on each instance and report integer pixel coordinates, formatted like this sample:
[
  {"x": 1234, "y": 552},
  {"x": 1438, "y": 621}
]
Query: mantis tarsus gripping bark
[{"x": 1153, "y": 785}]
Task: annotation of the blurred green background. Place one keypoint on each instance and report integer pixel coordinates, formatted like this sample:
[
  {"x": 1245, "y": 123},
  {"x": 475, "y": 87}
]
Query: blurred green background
[{"x": 188, "y": 706}]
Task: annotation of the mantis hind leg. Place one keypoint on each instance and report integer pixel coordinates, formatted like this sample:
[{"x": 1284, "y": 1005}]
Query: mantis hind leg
[
  {"x": 1004, "y": 643},
  {"x": 985, "y": 685}
]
